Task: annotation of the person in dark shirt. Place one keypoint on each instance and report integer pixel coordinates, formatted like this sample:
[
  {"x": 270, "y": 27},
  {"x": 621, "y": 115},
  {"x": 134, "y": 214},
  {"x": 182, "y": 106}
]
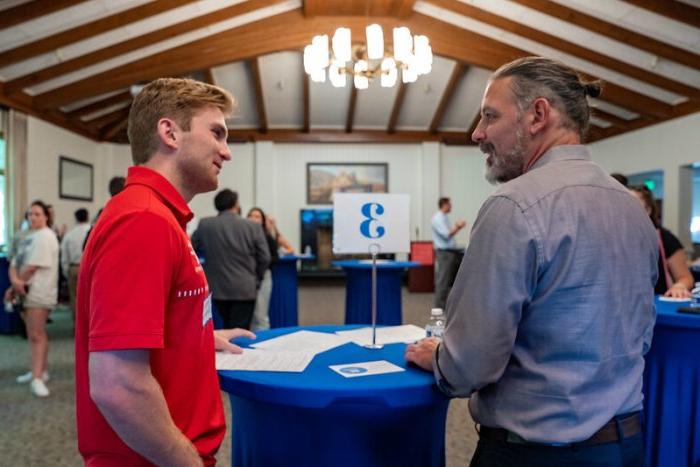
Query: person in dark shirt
[{"x": 675, "y": 279}]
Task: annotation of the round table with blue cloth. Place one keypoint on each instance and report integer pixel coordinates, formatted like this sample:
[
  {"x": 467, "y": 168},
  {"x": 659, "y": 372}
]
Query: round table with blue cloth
[
  {"x": 320, "y": 418},
  {"x": 284, "y": 299},
  {"x": 358, "y": 290},
  {"x": 672, "y": 389}
]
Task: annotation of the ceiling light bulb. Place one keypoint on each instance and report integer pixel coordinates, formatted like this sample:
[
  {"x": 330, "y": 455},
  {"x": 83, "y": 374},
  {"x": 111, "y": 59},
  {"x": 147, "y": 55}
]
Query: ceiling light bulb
[
  {"x": 403, "y": 43},
  {"x": 342, "y": 45},
  {"x": 320, "y": 47},
  {"x": 375, "y": 42},
  {"x": 389, "y": 72},
  {"x": 361, "y": 81},
  {"x": 318, "y": 75},
  {"x": 336, "y": 74}
]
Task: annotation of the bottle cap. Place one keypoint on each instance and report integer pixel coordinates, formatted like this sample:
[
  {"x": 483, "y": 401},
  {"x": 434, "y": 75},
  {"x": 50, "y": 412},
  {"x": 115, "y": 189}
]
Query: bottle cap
[{"x": 436, "y": 312}]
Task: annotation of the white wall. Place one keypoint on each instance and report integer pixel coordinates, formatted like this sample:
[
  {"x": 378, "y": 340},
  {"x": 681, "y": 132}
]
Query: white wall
[
  {"x": 46, "y": 142},
  {"x": 273, "y": 177},
  {"x": 669, "y": 147}
]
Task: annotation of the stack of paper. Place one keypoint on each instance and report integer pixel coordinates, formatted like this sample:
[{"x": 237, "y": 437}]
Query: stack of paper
[
  {"x": 408, "y": 333},
  {"x": 264, "y": 360},
  {"x": 307, "y": 341}
]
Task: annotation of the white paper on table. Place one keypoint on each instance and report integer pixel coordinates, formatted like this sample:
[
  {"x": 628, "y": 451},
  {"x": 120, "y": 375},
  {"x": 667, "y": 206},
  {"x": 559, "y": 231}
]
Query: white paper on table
[
  {"x": 407, "y": 333},
  {"x": 264, "y": 360},
  {"x": 674, "y": 299},
  {"x": 353, "y": 370},
  {"x": 307, "y": 341}
]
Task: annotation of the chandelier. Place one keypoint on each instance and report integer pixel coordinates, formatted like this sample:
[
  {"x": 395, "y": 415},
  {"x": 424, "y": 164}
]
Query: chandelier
[{"x": 412, "y": 55}]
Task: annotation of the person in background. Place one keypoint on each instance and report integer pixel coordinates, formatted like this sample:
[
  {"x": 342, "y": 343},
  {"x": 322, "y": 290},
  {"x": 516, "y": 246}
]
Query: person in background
[
  {"x": 552, "y": 310},
  {"x": 620, "y": 178},
  {"x": 675, "y": 279},
  {"x": 236, "y": 257},
  {"x": 146, "y": 386},
  {"x": 72, "y": 251},
  {"x": 447, "y": 255},
  {"x": 59, "y": 231},
  {"x": 261, "y": 316},
  {"x": 34, "y": 277},
  {"x": 285, "y": 248}
]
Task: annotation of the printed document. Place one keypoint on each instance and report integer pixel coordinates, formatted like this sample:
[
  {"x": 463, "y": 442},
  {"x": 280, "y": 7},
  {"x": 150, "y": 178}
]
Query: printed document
[
  {"x": 307, "y": 341},
  {"x": 353, "y": 370},
  {"x": 264, "y": 360},
  {"x": 408, "y": 333}
]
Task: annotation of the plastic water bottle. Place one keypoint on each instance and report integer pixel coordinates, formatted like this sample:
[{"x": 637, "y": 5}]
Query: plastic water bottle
[
  {"x": 695, "y": 296},
  {"x": 436, "y": 324}
]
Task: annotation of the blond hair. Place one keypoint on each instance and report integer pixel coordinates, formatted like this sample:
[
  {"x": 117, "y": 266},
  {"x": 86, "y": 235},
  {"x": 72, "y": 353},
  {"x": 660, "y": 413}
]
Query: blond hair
[{"x": 174, "y": 98}]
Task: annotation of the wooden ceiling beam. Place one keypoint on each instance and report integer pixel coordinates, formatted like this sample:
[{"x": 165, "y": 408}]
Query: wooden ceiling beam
[
  {"x": 613, "y": 31},
  {"x": 396, "y": 109},
  {"x": 136, "y": 43},
  {"x": 101, "y": 104},
  {"x": 292, "y": 31},
  {"x": 110, "y": 131},
  {"x": 571, "y": 48},
  {"x": 259, "y": 97},
  {"x": 33, "y": 10},
  {"x": 404, "y": 8},
  {"x": 311, "y": 8},
  {"x": 455, "y": 77},
  {"x": 474, "y": 124},
  {"x": 351, "y": 109},
  {"x": 307, "y": 102},
  {"x": 672, "y": 9},
  {"x": 85, "y": 31},
  {"x": 340, "y": 136},
  {"x": 98, "y": 124},
  {"x": 208, "y": 76}
]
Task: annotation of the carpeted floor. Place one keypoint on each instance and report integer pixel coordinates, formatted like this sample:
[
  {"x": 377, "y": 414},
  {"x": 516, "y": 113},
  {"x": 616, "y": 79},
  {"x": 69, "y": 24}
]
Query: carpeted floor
[{"x": 41, "y": 432}]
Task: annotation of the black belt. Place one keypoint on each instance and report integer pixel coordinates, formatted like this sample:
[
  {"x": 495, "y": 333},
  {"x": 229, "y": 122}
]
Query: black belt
[{"x": 617, "y": 429}]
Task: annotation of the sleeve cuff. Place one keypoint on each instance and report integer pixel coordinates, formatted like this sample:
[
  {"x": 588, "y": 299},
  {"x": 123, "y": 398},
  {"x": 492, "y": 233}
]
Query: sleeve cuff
[{"x": 440, "y": 379}]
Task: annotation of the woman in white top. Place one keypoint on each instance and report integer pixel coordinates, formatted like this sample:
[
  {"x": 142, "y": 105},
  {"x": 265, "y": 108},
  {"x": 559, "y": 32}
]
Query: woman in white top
[{"x": 34, "y": 277}]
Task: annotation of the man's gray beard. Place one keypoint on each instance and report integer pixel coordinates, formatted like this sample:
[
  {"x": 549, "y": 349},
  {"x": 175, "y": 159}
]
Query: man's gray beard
[{"x": 505, "y": 167}]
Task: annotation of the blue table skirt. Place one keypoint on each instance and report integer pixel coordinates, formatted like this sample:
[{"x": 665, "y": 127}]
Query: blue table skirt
[
  {"x": 284, "y": 300},
  {"x": 358, "y": 296},
  {"x": 672, "y": 389},
  {"x": 319, "y": 418}
]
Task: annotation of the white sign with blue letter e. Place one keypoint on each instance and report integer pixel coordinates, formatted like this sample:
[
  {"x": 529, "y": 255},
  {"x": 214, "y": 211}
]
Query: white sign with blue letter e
[{"x": 361, "y": 220}]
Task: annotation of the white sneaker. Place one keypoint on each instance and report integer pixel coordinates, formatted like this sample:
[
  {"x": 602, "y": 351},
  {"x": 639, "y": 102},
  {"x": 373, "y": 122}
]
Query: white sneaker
[
  {"x": 38, "y": 388},
  {"x": 27, "y": 377}
]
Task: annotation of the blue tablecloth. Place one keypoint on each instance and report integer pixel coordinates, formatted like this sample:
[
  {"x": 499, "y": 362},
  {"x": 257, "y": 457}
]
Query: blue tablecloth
[
  {"x": 319, "y": 418},
  {"x": 284, "y": 300},
  {"x": 672, "y": 389},
  {"x": 10, "y": 323},
  {"x": 358, "y": 292}
]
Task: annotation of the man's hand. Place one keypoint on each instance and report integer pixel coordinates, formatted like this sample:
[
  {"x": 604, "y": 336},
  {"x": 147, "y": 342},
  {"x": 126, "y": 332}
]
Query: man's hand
[
  {"x": 421, "y": 353},
  {"x": 223, "y": 336},
  {"x": 460, "y": 224},
  {"x": 20, "y": 287}
]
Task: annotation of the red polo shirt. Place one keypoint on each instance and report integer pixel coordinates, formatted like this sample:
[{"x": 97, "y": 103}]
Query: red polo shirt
[{"x": 141, "y": 287}]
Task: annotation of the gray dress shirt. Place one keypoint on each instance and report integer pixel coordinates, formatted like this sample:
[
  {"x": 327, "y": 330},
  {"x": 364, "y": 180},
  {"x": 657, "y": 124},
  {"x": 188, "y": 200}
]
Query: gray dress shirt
[
  {"x": 553, "y": 306},
  {"x": 235, "y": 253}
]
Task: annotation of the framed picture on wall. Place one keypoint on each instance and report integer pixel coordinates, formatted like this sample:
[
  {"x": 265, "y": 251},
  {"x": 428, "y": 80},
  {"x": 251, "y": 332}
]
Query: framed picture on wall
[
  {"x": 323, "y": 179},
  {"x": 75, "y": 179}
]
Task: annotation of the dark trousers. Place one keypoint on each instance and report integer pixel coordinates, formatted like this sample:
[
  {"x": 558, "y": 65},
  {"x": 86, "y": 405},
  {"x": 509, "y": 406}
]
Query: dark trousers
[
  {"x": 626, "y": 453},
  {"x": 235, "y": 313},
  {"x": 446, "y": 266}
]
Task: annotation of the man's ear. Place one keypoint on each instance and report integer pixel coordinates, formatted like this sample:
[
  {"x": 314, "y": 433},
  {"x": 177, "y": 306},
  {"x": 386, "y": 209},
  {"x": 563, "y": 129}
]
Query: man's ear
[
  {"x": 169, "y": 133},
  {"x": 541, "y": 113}
]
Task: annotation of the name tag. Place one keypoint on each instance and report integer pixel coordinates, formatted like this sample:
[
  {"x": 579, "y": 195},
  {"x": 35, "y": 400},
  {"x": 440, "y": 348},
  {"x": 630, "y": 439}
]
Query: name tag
[{"x": 206, "y": 310}]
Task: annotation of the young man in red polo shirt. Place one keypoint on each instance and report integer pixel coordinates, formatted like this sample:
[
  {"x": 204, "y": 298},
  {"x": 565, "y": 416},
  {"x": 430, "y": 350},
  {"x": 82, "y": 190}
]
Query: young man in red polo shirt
[{"x": 146, "y": 385}]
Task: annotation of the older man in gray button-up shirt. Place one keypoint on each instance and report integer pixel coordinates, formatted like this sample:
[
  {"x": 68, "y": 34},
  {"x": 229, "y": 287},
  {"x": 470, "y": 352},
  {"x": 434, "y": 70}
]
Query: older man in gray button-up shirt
[{"x": 552, "y": 309}]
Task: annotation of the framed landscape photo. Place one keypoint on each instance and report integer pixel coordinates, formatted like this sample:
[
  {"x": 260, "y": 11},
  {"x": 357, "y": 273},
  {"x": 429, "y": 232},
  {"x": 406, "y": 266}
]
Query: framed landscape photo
[
  {"x": 75, "y": 179},
  {"x": 323, "y": 179}
]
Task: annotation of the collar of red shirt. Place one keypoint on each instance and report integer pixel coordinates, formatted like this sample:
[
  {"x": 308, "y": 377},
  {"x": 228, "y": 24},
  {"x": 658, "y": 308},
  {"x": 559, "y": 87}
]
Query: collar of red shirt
[{"x": 165, "y": 190}]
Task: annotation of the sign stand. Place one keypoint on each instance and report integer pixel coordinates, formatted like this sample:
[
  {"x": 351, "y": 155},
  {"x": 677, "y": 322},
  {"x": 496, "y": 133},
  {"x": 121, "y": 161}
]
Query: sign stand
[{"x": 374, "y": 249}]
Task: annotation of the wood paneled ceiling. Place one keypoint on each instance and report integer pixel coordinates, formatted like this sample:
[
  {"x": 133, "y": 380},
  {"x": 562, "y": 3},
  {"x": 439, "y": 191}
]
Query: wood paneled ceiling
[{"x": 74, "y": 63}]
